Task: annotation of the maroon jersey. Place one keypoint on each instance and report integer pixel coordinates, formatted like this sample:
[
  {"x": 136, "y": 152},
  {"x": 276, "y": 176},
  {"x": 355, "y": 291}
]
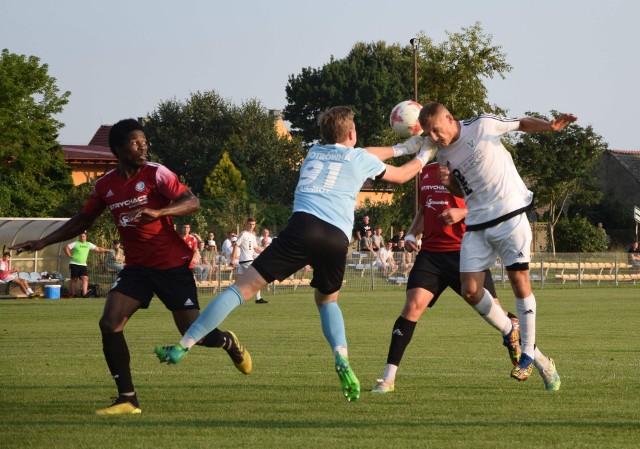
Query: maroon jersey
[
  {"x": 435, "y": 198},
  {"x": 154, "y": 244}
]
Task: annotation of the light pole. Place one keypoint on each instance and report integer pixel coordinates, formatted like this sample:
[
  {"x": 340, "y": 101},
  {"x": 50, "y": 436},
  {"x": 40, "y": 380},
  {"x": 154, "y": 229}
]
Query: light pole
[{"x": 414, "y": 44}]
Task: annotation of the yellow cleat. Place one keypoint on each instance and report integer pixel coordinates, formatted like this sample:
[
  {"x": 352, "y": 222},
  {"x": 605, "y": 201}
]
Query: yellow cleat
[
  {"x": 239, "y": 355},
  {"x": 120, "y": 407}
]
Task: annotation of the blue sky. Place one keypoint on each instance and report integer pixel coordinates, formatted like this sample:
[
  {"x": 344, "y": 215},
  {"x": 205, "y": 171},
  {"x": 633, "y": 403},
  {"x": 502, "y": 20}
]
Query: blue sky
[{"x": 121, "y": 58}]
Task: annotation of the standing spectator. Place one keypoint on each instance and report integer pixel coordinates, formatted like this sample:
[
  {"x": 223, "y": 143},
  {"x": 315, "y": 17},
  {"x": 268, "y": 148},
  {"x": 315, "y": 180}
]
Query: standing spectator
[
  {"x": 78, "y": 251},
  {"x": 377, "y": 240},
  {"x": 115, "y": 258},
  {"x": 605, "y": 237},
  {"x": 142, "y": 198},
  {"x": 190, "y": 240},
  {"x": 634, "y": 255},
  {"x": 8, "y": 274},
  {"x": 474, "y": 164},
  {"x": 227, "y": 247},
  {"x": 246, "y": 248},
  {"x": 363, "y": 227}
]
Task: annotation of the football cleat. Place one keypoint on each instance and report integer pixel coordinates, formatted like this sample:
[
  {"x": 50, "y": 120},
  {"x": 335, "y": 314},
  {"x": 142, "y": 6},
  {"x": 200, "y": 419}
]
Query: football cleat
[
  {"x": 384, "y": 386},
  {"x": 239, "y": 355},
  {"x": 512, "y": 342},
  {"x": 121, "y": 406},
  {"x": 349, "y": 381},
  {"x": 522, "y": 370},
  {"x": 551, "y": 377},
  {"x": 170, "y": 354}
]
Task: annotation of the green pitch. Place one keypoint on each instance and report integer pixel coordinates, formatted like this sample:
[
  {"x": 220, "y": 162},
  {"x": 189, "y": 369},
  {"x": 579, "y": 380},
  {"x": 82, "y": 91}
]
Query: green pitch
[{"x": 453, "y": 388}]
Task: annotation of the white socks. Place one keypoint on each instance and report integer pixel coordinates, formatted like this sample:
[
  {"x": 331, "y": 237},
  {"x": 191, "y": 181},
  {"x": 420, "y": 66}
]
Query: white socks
[
  {"x": 526, "y": 308},
  {"x": 493, "y": 313}
]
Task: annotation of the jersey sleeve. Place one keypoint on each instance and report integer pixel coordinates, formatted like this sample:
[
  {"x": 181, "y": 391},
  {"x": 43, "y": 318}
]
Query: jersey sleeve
[
  {"x": 168, "y": 183},
  {"x": 94, "y": 205},
  {"x": 370, "y": 164},
  {"x": 500, "y": 125}
]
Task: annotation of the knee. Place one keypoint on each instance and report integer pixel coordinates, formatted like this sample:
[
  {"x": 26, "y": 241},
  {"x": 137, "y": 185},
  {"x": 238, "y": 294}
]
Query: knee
[{"x": 107, "y": 325}]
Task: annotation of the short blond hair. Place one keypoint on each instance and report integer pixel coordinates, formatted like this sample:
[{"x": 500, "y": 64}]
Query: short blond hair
[
  {"x": 336, "y": 123},
  {"x": 429, "y": 111}
]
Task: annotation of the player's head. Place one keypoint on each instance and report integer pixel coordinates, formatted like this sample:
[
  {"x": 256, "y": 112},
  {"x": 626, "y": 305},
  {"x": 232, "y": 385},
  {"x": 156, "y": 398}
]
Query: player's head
[
  {"x": 120, "y": 134},
  {"x": 438, "y": 123},
  {"x": 251, "y": 223},
  {"x": 337, "y": 125},
  {"x": 6, "y": 255}
]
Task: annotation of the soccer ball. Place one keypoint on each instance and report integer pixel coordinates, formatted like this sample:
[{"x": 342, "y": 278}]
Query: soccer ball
[{"x": 404, "y": 119}]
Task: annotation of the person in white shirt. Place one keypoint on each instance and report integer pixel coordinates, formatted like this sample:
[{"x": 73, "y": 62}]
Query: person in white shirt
[
  {"x": 227, "y": 247},
  {"x": 245, "y": 249},
  {"x": 385, "y": 260},
  {"x": 475, "y": 165}
]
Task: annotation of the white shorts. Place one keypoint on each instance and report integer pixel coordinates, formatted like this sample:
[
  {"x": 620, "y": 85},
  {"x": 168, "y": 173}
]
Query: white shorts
[
  {"x": 511, "y": 240},
  {"x": 243, "y": 267},
  {"x": 10, "y": 278}
]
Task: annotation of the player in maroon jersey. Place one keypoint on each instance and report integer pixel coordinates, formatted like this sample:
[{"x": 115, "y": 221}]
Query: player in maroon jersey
[
  {"x": 437, "y": 267},
  {"x": 142, "y": 197}
]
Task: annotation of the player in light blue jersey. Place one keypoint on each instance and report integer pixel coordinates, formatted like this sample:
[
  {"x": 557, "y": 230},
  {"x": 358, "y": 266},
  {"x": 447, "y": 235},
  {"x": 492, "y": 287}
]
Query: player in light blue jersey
[{"x": 317, "y": 233}]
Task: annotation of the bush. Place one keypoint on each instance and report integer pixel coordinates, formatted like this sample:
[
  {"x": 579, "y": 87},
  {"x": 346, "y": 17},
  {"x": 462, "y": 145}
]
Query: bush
[{"x": 577, "y": 235}]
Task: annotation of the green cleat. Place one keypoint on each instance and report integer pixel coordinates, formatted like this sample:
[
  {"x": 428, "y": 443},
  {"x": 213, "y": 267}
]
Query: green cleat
[
  {"x": 170, "y": 354},
  {"x": 349, "y": 381},
  {"x": 512, "y": 342},
  {"x": 551, "y": 377},
  {"x": 522, "y": 370},
  {"x": 384, "y": 386}
]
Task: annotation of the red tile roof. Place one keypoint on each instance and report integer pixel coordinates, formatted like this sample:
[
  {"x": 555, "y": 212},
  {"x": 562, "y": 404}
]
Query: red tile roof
[
  {"x": 101, "y": 137},
  {"x": 93, "y": 153}
]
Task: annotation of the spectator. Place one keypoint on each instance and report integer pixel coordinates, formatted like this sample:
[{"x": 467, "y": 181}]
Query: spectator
[
  {"x": 211, "y": 242},
  {"x": 634, "y": 255},
  {"x": 115, "y": 258},
  {"x": 210, "y": 257},
  {"x": 403, "y": 257},
  {"x": 247, "y": 249},
  {"x": 377, "y": 240},
  {"x": 8, "y": 274},
  {"x": 201, "y": 269},
  {"x": 192, "y": 243},
  {"x": 385, "y": 260},
  {"x": 265, "y": 239},
  {"x": 78, "y": 251},
  {"x": 396, "y": 238},
  {"x": 366, "y": 243},
  {"x": 363, "y": 227},
  {"x": 227, "y": 247},
  {"x": 607, "y": 238}
]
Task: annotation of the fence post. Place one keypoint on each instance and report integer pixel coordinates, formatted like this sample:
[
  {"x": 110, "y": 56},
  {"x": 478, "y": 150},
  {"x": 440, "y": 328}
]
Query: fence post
[
  {"x": 371, "y": 269},
  {"x": 579, "y": 269},
  {"x": 541, "y": 271}
]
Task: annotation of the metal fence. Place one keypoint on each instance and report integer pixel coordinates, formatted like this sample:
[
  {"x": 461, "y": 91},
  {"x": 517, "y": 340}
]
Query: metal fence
[{"x": 362, "y": 274}]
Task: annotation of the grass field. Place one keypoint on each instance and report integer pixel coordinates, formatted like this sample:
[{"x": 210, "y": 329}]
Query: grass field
[{"x": 453, "y": 388}]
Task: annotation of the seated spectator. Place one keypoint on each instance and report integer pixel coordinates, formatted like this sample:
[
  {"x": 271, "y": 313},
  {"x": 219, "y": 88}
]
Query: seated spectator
[
  {"x": 396, "y": 238},
  {"x": 634, "y": 256},
  {"x": 377, "y": 240},
  {"x": 115, "y": 258},
  {"x": 227, "y": 247},
  {"x": 385, "y": 260},
  {"x": 303, "y": 273},
  {"x": 366, "y": 243},
  {"x": 211, "y": 241},
  {"x": 403, "y": 258},
  {"x": 201, "y": 270},
  {"x": 8, "y": 274},
  {"x": 210, "y": 257}
]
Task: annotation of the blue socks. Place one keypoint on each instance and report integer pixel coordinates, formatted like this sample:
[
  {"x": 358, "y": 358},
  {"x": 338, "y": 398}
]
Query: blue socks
[
  {"x": 214, "y": 314},
  {"x": 333, "y": 325}
]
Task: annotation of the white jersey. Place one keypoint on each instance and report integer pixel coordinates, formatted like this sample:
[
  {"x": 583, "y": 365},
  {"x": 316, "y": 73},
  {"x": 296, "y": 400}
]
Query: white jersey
[
  {"x": 485, "y": 170},
  {"x": 246, "y": 244}
]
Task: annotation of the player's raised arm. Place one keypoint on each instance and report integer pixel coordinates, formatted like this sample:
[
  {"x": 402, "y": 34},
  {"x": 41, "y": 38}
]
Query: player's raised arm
[
  {"x": 73, "y": 227},
  {"x": 399, "y": 175},
  {"x": 537, "y": 125}
]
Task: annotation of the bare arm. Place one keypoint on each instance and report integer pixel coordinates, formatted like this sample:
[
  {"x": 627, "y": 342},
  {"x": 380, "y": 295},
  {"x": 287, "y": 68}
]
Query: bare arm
[
  {"x": 73, "y": 227},
  {"x": 536, "y": 125},
  {"x": 183, "y": 205},
  {"x": 416, "y": 227}
]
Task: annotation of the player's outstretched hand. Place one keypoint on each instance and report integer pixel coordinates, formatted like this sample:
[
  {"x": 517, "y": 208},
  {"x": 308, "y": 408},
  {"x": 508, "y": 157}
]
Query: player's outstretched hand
[
  {"x": 30, "y": 245},
  {"x": 562, "y": 121}
]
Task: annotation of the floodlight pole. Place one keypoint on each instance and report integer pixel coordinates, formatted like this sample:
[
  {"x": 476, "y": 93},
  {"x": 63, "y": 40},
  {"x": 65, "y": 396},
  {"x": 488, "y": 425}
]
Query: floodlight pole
[{"x": 414, "y": 44}]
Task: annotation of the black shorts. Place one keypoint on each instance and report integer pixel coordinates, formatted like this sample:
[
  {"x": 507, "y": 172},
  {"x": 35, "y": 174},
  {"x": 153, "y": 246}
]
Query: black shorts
[
  {"x": 437, "y": 271},
  {"x": 306, "y": 240},
  {"x": 175, "y": 287},
  {"x": 78, "y": 270}
]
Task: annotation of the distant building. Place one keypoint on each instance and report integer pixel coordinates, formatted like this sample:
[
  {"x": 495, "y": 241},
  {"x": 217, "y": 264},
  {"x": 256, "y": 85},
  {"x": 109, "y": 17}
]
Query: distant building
[
  {"x": 89, "y": 162},
  {"x": 619, "y": 173}
]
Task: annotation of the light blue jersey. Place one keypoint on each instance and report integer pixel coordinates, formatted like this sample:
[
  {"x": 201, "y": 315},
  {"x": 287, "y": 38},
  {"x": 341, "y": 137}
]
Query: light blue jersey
[{"x": 330, "y": 178}]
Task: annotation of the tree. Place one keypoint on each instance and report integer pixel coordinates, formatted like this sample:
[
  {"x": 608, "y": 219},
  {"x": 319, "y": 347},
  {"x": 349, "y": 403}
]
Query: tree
[
  {"x": 374, "y": 77},
  {"x": 35, "y": 178},
  {"x": 577, "y": 235},
  {"x": 560, "y": 167}
]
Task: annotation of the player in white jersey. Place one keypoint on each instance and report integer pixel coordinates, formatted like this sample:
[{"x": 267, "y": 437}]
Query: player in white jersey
[
  {"x": 318, "y": 233},
  {"x": 245, "y": 249},
  {"x": 471, "y": 152}
]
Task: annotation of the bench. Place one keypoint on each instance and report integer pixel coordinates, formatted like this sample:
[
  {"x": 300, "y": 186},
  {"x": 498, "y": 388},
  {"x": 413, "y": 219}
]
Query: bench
[{"x": 620, "y": 277}]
